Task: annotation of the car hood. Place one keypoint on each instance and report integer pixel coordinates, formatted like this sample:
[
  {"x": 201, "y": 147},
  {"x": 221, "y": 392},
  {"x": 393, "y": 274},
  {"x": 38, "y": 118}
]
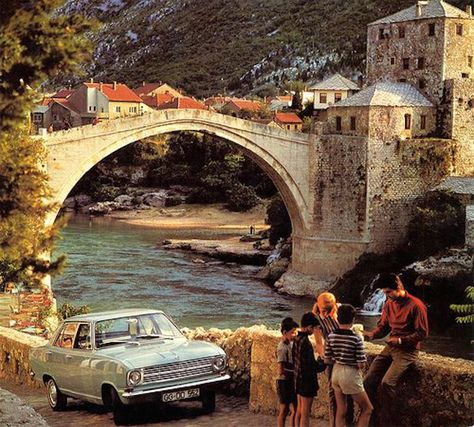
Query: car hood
[{"x": 161, "y": 352}]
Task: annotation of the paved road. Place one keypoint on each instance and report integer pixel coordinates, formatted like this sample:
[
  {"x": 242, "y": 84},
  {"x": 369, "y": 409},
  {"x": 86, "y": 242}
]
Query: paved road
[{"x": 230, "y": 412}]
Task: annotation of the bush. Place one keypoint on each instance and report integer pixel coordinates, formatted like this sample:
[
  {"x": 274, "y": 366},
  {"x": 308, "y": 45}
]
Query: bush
[
  {"x": 278, "y": 219},
  {"x": 69, "y": 310},
  {"x": 439, "y": 222},
  {"x": 241, "y": 198},
  {"x": 104, "y": 193}
]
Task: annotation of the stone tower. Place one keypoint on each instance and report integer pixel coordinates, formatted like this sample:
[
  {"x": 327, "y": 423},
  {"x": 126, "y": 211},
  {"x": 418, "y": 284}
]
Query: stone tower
[{"x": 425, "y": 45}]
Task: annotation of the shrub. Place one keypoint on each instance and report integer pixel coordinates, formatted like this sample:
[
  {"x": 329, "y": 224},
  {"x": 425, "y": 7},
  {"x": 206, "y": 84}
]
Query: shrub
[
  {"x": 241, "y": 197},
  {"x": 278, "y": 219}
]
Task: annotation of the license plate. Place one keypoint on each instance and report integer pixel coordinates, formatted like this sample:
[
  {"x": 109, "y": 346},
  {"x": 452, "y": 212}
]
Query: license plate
[{"x": 180, "y": 395}]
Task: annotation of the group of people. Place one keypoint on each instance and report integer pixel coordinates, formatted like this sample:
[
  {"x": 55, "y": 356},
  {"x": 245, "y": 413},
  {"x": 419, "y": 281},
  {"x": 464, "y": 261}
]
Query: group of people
[{"x": 341, "y": 354}]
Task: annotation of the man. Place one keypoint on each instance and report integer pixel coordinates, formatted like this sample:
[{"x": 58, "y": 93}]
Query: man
[{"x": 405, "y": 318}]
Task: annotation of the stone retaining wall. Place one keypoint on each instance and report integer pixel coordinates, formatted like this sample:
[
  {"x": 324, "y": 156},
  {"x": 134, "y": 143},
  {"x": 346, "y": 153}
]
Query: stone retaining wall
[{"x": 439, "y": 391}]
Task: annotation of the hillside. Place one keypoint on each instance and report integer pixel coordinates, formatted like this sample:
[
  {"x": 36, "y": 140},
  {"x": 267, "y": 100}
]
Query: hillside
[{"x": 215, "y": 46}]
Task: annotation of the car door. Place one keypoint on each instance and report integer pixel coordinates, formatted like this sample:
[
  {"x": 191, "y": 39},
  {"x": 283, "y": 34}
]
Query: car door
[{"x": 62, "y": 355}]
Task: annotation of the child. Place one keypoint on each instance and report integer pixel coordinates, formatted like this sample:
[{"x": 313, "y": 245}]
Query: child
[
  {"x": 285, "y": 381},
  {"x": 345, "y": 350},
  {"x": 306, "y": 369}
]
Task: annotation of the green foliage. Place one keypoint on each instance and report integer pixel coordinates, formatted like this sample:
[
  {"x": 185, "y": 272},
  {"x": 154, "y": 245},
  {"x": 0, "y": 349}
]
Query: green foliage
[
  {"x": 68, "y": 310},
  {"x": 278, "y": 219},
  {"x": 35, "y": 44},
  {"x": 466, "y": 310},
  {"x": 438, "y": 223},
  {"x": 241, "y": 198}
]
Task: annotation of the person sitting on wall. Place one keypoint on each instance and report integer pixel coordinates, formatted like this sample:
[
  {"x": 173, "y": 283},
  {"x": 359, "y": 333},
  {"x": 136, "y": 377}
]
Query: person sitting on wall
[{"x": 405, "y": 318}]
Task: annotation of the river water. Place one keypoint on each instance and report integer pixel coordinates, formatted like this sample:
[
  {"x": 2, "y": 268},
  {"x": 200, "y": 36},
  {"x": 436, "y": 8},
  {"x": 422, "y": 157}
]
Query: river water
[{"x": 114, "y": 265}]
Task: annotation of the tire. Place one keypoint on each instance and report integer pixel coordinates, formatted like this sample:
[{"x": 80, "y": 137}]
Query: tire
[
  {"x": 208, "y": 400},
  {"x": 119, "y": 410},
  {"x": 56, "y": 399}
]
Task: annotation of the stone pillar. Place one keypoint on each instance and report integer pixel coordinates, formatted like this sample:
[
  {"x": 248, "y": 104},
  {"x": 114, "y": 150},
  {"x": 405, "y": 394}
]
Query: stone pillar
[{"x": 469, "y": 239}]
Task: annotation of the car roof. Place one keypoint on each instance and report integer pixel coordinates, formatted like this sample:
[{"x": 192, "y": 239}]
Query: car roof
[{"x": 113, "y": 314}]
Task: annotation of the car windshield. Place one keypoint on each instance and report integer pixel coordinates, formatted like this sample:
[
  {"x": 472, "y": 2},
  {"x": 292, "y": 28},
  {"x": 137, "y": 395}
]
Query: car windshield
[{"x": 133, "y": 329}]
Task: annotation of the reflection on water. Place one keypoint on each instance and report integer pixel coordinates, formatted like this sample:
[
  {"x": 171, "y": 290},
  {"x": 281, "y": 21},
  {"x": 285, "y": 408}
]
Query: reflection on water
[{"x": 113, "y": 265}]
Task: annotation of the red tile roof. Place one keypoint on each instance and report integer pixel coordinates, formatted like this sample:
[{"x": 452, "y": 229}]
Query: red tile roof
[
  {"x": 217, "y": 100},
  {"x": 246, "y": 104},
  {"x": 63, "y": 93},
  {"x": 288, "y": 118},
  {"x": 65, "y": 103},
  {"x": 121, "y": 92},
  {"x": 157, "y": 100},
  {"x": 183, "y": 103},
  {"x": 147, "y": 88}
]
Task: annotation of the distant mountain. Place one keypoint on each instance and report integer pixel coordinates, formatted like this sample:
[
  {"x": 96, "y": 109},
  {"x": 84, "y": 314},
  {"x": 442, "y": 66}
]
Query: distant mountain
[{"x": 240, "y": 46}]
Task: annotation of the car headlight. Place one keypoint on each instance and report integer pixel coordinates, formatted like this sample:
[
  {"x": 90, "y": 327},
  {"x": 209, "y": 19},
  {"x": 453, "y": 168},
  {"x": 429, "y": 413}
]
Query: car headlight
[
  {"x": 134, "y": 378},
  {"x": 219, "y": 363}
]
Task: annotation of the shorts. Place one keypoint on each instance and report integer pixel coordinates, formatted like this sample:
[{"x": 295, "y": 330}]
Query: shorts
[
  {"x": 307, "y": 387},
  {"x": 286, "y": 392},
  {"x": 347, "y": 378}
]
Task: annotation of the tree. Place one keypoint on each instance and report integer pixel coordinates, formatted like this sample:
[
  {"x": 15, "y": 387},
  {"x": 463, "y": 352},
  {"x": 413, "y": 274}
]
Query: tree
[
  {"x": 35, "y": 44},
  {"x": 466, "y": 310},
  {"x": 279, "y": 220}
]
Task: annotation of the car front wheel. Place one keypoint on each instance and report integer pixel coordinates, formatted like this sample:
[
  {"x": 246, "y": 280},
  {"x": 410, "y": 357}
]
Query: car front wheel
[
  {"x": 209, "y": 401},
  {"x": 56, "y": 399},
  {"x": 119, "y": 410}
]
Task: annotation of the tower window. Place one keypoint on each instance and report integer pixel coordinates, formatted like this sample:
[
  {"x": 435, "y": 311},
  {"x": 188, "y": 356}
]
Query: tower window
[
  {"x": 353, "y": 123},
  {"x": 459, "y": 29},
  {"x": 401, "y": 32},
  {"x": 338, "y": 123},
  {"x": 421, "y": 63},
  {"x": 422, "y": 122},
  {"x": 407, "y": 121},
  {"x": 431, "y": 29},
  {"x": 406, "y": 63}
]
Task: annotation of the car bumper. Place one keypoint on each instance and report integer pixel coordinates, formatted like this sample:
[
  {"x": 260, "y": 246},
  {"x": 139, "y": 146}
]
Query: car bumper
[{"x": 141, "y": 396}]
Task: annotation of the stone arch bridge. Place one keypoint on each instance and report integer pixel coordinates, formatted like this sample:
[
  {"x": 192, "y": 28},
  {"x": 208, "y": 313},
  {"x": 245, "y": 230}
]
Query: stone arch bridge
[{"x": 323, "y": 179}]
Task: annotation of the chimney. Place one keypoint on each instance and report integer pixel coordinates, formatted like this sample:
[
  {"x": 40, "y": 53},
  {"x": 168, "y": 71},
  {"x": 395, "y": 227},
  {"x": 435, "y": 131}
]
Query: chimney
[
  {"x": 115, "y": 85},
  {"x": 418, "y": 9},
  {"x": 143, "y": 83},
  {"x": 92, "y": 80},
  {"x": 469, "y": 10}
]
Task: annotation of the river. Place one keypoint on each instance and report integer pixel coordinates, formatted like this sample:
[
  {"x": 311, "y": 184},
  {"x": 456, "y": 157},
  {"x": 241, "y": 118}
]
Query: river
[{"x": 114, "y": 265}]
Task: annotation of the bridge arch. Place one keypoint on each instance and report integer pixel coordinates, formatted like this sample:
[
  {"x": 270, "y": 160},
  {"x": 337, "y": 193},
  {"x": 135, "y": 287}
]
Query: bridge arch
[{"x": 281, "y": 155}]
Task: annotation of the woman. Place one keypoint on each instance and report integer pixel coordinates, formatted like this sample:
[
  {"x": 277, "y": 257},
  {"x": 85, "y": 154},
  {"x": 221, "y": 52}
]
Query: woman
[{"x": 325, "y": 309}]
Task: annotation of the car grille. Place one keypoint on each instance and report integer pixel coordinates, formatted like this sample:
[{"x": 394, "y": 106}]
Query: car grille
[{"x": 172, "y": 371}]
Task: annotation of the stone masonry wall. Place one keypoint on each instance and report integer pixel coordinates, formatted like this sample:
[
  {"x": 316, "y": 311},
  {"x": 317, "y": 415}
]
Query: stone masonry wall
[
  {"x": 437, "y": 392},
  {"x": 399, "y": 172},
  {"x": 470, "y": 226}
]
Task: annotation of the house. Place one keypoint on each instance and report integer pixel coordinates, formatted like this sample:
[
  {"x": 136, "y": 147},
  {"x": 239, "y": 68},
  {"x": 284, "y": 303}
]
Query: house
[
  {"x": 236, "y": 105},
  {"x": 217, "y": 102},
  {"x": 288, "y": 121},
  {"x": 155, "y": 101},
  {"x": 278, "y": 103},
  {"x": 105, "y": 101},
  {"x": 384, "y": 111},
  {"x": 329, "y": 91},
  {"x": 159, "y": 88},
  {"x": 183, "y": 102}
]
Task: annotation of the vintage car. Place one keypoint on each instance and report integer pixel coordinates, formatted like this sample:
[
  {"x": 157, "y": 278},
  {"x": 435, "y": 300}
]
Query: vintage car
[{"x": 125, "y": 357}]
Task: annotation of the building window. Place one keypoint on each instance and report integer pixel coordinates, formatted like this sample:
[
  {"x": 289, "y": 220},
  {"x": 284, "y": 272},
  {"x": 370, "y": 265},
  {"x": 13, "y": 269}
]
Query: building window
[
  {"x": 422, "y": 122},
  {"x": 56, "y": 118},
  {"x": 392, "y": 61},
  {"x": 37, "y": 117},
  {"x": 421, "y": 62},
  {"x": 90, "y": 107},
  {"x": 459, "y": 29},
  {"x": 117, "y": 109},
  {"x": 102, "y": 109},
  {"x": 469, "y": 61},
  {"x": 338, "y": 123},
  {"x": 288, "y": 127},
  {"x": 401, "y": 32},
  {"x": 381, "y": 34},
  {"x": 406, "y": 63},
  {"x": 323, "y": 98},
  {"x": 337, "y": 96},
  {"x": 407, "y": 121},
  {"x": 431, "y": 29},
  {"x": 353, "y": 123},
  {"x": 421, "y": 84},
  {"x": 465, "y": 75},
  {"x": 95, "y": 108},
  {"x": 402, "y": 80}
]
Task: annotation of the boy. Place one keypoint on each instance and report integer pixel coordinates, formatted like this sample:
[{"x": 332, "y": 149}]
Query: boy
[
  {"x": 306, "y": 369},
  {"x": 285, "y": 381},
  {"x": 346, "y": 351}
]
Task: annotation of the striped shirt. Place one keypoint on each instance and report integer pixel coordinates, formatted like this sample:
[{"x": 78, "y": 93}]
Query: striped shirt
[
  {"x": 327, "y": 325},
  {"x": 344, "y": 347}
]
